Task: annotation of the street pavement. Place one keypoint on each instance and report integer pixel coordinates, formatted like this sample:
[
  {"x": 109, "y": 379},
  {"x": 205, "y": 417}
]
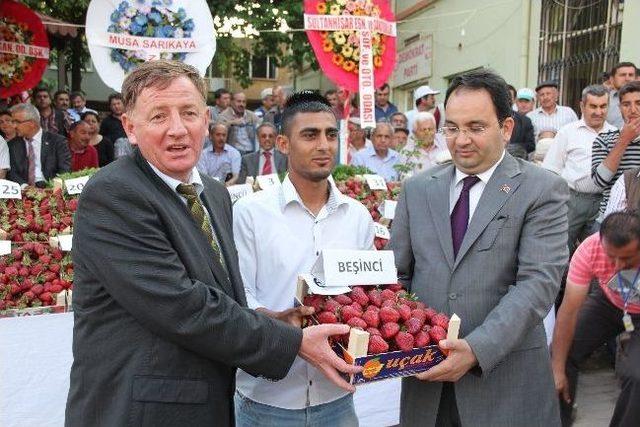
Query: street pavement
[{"x": 597, "y": 394}]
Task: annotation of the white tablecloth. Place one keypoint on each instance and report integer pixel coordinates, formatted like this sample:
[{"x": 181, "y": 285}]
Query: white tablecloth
[{"x": 35, "y": 360}]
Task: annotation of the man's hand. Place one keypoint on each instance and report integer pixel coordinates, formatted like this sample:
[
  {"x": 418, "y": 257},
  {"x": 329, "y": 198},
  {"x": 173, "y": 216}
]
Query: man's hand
[
  {"x": 630, "y": 131},
  {"x": 562, "y": 384},
  {"x": 315, "y": 349},
  {"x": 458, "y": 363},
  {"x": 292, "y": 316}
]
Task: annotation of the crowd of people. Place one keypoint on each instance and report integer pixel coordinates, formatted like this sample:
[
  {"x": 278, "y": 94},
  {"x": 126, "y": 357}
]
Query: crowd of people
[{"x": 549, "y": 197}]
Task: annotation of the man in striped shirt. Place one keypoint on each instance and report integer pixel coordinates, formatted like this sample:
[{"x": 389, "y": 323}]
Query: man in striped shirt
[
  {"x": 550, "y": 116},
  {"x": 616, "y": 151},
  {"x": 586, "y": 319}
]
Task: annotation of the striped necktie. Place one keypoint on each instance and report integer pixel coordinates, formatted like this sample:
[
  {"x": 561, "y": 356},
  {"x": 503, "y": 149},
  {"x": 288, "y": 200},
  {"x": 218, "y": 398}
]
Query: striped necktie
[{"x": 188, "y": 191}]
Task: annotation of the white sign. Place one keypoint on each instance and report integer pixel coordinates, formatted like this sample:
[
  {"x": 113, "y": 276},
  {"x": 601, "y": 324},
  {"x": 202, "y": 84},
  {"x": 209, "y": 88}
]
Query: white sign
[
  {"x": 309, "y": 284},
  {"x": 375, "y": 182},
  {"x": 64, "y": 240},
  {"x": 237, "y": 192},
  {"x": 5, "y": 247},
  {"x": 10, "y": 190},
  {"x": 414, "y": 62},
  {"x": 24, "y": 50},
  {"x": 338, "y": 267},
  {"x": 76, "y": 185},
  {"x": 267, "y": 181},
  {"x": 381, "y": 231},
  {"x": 388, "y": 209}
]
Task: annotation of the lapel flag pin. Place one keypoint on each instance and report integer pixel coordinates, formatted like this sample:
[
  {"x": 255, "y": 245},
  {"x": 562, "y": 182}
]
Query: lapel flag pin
[{"x": 505, "y": 188}]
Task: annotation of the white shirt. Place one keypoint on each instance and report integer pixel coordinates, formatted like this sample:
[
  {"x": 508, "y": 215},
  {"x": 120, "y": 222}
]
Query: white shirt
[
  {"x": 262, "y": 160},
  {"x": 475, "y": 192},
  {"x": 570, "y": 155},
  {"x": 617, "y": 198},
  {"x": 277, "y": 238},
  {"x": 4, "y": 154},
  {"x": 425, "y": 159},
  {"x": 542, "y": 121},
  {"x": 37, "y": 149}
]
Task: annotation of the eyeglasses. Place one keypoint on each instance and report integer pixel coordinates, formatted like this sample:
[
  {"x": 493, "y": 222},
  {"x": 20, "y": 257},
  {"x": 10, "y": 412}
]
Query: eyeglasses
[
  {"x": 452, "y": 132},
  {"x": 19, "y": 122}
]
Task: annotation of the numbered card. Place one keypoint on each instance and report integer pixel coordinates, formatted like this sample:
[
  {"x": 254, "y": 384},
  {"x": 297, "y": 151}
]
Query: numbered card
[
  {"x": 388, "y": 209},
  {"x": 237, "y": 192},
  {"x": 375, "y": 182},
  {"x": 267, "y": 181},
  {"x": 10, "y": 190},
  {"x": 76, "y": 185},
  {"x": 5, "y": 247},
  {"x": 64, "y": 240},
  {"x": 381, "y": 231}
]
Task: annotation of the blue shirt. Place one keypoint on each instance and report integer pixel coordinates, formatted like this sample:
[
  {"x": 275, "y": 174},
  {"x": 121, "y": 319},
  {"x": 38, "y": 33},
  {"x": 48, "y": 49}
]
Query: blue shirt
[
  {"x": 384, "y": 115},
  {"x": 383, "y": 167},
  {"x": 218, "y": 165}
]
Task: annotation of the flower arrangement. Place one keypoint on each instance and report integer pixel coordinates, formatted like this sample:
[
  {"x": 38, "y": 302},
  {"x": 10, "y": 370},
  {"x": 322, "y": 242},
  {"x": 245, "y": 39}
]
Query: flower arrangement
[
  {"x": 344, "y": 46},
  {"x": 14, "y": 67},
  {"x": 144, "y": 20}
]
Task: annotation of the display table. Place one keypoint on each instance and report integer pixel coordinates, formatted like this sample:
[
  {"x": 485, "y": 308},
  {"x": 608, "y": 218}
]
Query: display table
[{"x": 35, "y": 360}]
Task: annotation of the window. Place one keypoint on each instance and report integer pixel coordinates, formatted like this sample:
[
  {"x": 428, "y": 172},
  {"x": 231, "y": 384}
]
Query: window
[{"x": 263, "y": 68}]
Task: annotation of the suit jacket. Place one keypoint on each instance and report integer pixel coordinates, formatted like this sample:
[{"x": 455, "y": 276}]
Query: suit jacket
[
  {"x": 250, "y": 164},
  {"x": 522, "y": 140},
  {"x": 159, "y": 325},
  {"x": 55, "y": 157},
  {"x": 502, "y": 284}
]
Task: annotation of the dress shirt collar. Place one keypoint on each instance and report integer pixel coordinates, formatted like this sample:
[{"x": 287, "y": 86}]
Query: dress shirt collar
[
  {"x": 391, "y": 154},
  {"x": 484, "y": 176},
  {"x": 266, "y": 151},
  {"x": 606, "y": 127},
  {"x": 173, "y": 183},
  {"x": 213, "y": 150},
  {"x": 37, "y": 138},
  {"x": 289, "y": 194},
  {"x": 540, "y": 110}
]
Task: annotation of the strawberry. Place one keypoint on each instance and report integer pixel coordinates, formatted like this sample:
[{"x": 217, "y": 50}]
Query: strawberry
[
  {"x": 377, "y": 345},
  {"x": 388, "y": 314},
  {"x": 437, "y": 333},
  {"x": 360, "y": 296},
  {"x": 373, "y": 331},
  {"x": 327, "y": 317},
  {"x": 441, "y": 320},
  {"x": 347, "y": 312},
  {"x": 343, "y": 299},
  {"x": 388, "y": 303},
  {"x": 420, "y": 305},
  {"x": 37, "y": 289},
  {"x": 372, "y": 308},
  {"x": 430, "y": 312},
  {"x": 395, "y": 287},
  {"x": 356, "y": 322},
  {"x": 405, "y": 312},
  {"x": 419, "y": 314},
  {"x": 357, "y": 307},
  {"x": 413, "y": 325},
  {"x": 55, "y": 268},
  {"x": 421, "y": 339},
  {"x": 388, "y": 294},
  {"x": 315, "y": 301},
  {"x": 46, "y": 298},
  {"x": 331, "y": 305},
  {"x": 404, "y": 341},
  {"x": 375, "y": 297},
  {"x": 29, "y": 295},
  {"x": 371, "y": 318},
  {"x": 55, "y": 289},
  {"x": 389, "y": 330},
  {"x": 44, "y": 259}
]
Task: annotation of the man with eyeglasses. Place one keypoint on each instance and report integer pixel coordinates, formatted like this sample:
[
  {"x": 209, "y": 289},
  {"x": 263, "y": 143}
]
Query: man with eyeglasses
[{"x": 485, "y": 238}]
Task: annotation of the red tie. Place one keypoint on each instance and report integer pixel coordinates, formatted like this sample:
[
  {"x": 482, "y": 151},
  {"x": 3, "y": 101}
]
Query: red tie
[
  {"x": 31, "y": 155},
  {"x": 266, "y": 168}
]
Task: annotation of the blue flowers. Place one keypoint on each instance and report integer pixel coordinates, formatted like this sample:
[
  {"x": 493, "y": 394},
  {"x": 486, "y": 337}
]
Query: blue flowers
[{"x": 148, "y": 18}]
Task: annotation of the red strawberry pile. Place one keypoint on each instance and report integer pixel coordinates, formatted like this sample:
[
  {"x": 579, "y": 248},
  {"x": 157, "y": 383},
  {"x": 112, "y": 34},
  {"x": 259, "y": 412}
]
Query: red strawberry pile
[
  {"x": 394, "y": 318},
  {"x": 32, "y": 276},
  {"x": 40, "y": 213},
  {"x": 356, "y": 188},
  {"x": 34, "y": 273}
]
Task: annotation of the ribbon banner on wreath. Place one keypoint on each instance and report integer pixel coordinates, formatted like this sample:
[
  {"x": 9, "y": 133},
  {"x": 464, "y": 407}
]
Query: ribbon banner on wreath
[
  {"x": 122, "y": 35},
  {"x": 354, "y": 42},
  {"x": 24, "y": 48}
]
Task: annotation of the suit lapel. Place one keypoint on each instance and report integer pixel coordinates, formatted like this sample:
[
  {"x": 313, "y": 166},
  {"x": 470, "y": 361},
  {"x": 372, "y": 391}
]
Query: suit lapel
[
  {"x": 503, "y": 183},
  {"x": 438, "y": 190},
  {"x": 254, "y": 163}
]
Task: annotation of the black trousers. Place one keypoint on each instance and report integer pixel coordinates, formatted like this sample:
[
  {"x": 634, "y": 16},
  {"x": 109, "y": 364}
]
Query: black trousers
[
  {"x": 598, "y": 322},
  {"x": 448, "y": 408}
]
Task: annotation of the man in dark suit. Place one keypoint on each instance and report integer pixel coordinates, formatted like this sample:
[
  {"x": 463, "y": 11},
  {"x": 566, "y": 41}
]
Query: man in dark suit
[
  {"x": 160, "y": 313},
  {"x": 265, "y": 161},
  {"x": 35, "y": 155},
  {"x": 522, "y": 140}
]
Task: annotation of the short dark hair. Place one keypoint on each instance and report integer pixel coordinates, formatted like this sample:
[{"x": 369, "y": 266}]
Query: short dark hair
[
  {"x": 403, "y": 130},
  {"x": 330, "y": 92},
  {"x": 384, "y": 86},
  {"x": 605, "y": 76},
  {"x": 397, "y": 113},
  {"x": 219, "y": 92},
  {"x": 90, "y": 113},
  {"x": 619, "y": 65},
  {"x": 77, "y": 93},
  {"x": 621, "y": 228},
  {"x": 512, "y": 89},
  {"x": 39, "y": 89},
  {"x": 305, "y": 101},
  {"x": 113, "y": 96},
  {"x": 60, "y": 92},
  {"x": 628, "y": 88},
  {"x": 484, "y": 80}
]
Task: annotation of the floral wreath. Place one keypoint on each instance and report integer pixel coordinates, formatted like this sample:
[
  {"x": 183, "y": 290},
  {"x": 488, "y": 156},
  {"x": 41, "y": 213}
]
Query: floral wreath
[
  {"x": 157, "y": 20},
  {"x": 13, "y": 67}
]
